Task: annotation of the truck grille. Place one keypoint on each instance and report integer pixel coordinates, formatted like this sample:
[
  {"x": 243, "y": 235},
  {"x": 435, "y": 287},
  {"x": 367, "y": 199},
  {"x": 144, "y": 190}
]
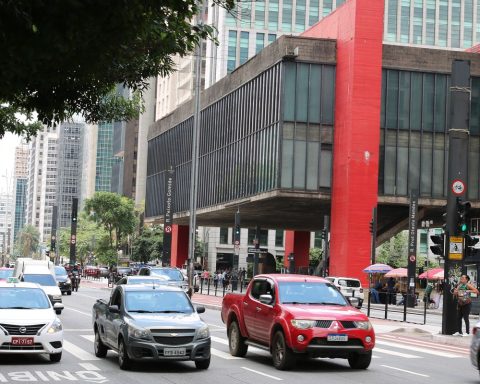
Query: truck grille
[
  {"x": 328, "y": 323},
  {"x": 10, "y": 347},
  {"x": 324, "y": 341},
  {"x": 169, "y": 340},
  {"x": 15, "y": 329}
]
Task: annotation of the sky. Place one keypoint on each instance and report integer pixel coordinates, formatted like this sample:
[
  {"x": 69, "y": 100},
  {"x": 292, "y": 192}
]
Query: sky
[{"x": 7, "y": 159}]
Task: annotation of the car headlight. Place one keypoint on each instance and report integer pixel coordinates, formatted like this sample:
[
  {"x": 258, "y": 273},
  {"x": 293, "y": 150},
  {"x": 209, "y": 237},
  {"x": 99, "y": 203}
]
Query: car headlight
[
  {"x": 203, "y": 333},
  {"x": 139, "y": 333},
  {"x": 55, "y": 327},
  {"x": 363, "y": 324},
  {"x": 303, "y": 324}
]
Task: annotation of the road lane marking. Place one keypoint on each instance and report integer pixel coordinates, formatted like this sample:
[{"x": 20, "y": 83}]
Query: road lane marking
[
  {"x": 223, "y": 355},
  {"x": 78, "y": 330},
  {"x": 78, "y": 352},
  {"x": 423, "y": 343},
  {"x": 89, "y": 337},
  {"x": 89, "y": 367},
  {"x": 225, "y": 342},
  {"x": 217, "y": 326},
  {"x": 76, "y": 310},
  {"x": 404, "y": 370},
  {"x": 417, "y": 349},
  {"x": 394, "y": 353},
  {"x": 263, "y": 374}
]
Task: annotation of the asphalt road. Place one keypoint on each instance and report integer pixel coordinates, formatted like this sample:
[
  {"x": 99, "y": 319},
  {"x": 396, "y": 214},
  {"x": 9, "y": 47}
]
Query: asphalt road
[{"x": 397, "y": 359}]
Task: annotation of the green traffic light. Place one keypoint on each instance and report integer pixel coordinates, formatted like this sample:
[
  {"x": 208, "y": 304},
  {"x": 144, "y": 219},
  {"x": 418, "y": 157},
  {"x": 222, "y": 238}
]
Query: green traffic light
[{"x": 463, "y": 227}]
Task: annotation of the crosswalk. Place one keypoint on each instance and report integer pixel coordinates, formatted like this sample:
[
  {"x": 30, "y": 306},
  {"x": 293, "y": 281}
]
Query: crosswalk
[{"x": 386, "y": 346}]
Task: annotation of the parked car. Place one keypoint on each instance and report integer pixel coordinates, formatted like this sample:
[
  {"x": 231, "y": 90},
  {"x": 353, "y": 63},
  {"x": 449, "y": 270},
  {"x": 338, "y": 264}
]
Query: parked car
[
  {"x": 292, "y": 316},
  {"x": 349, "y": 286},
  {"x": 119, "y": 272},
  {"x": 143, "y": 322},
  {"x": 104, "y": 271},
  {"x": 174, "y": 274},
  {"x": 29, "y": 322},
  {"x": 143, "y": 280},
  {"x": 63, "y": 281}
]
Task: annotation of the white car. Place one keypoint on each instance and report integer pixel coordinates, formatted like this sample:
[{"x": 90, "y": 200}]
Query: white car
[
  {"x": 29, "y": 322},
  {"x": 47, "y": 282},
  {"x": 349, "y": 286},
  {"x": 475, "y": 346}
]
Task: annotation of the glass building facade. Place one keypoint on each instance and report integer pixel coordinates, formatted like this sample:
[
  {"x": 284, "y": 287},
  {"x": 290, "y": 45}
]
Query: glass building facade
[
  {"x": 414, "y": 139},
  {"x": 20, "y": 205},
  {"x": 275, "y": 131},
  {"x": 105, "y": 159}
]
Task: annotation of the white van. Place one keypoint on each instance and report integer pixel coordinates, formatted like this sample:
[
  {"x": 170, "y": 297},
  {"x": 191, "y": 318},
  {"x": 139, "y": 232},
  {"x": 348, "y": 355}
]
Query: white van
[
  {"x": 349, "y": 286},
  {"x": 41, "y": 272}
]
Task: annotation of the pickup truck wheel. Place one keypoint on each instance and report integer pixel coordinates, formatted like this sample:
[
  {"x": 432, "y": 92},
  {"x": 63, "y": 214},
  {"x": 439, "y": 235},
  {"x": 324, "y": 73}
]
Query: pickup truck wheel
[
  {"x": 124, "y": 360},
  {"x": 55, "y": 357},
  {"x": 360, "y": 360},
  {"x": 98, "y": 346},
  {"x": 236, "y": 342},
  {"x": 202, "y": 364},
  {"x": 283, "y": 357}
]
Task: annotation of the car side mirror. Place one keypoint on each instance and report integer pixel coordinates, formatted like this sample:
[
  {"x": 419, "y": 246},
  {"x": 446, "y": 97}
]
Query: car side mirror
[
  {"x": 266, "y": 299},
  {"x": 354, "y": 301},
  {"x": 58, "y": 308},
  {"x": 200, "y": 309},
  {"x": 114, "y": 309}
]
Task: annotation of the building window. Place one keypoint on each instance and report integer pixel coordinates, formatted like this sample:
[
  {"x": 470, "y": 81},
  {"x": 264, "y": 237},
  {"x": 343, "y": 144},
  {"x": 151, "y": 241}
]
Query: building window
[
  {"x": 287, "y": 16},
  {"x": 243, "y": 47},
  {"x": 273, "y": 15},
  {"x": 223, "y": 235},
  {"x": 259, "y": 42},
  {"x": 232, "y": 51},
  {"x": 263, "y": 237},
  {"x": 279, "y": 237}
]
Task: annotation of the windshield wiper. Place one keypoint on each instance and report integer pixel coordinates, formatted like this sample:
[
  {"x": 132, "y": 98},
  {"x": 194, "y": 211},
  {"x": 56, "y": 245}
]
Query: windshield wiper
[
  {"x": 328, "y": 303},
  {"x": 140, "y": 311},
  {"x": 18, "y": 308},
  {"x": 293, "y": 302},
  {"x": 170, "y": 311}
]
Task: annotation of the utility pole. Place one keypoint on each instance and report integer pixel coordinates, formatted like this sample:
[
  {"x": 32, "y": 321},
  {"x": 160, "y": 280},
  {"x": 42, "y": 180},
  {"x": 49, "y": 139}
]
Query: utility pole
[
  {"x": 73, "y": 233},
  {"x": 458, "y": 133}
]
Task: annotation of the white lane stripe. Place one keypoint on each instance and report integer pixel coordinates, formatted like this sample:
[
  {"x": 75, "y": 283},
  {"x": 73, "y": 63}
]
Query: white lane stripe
[
  {"x": 263, "y": 374},
  {"x": 404, "y": 370},
  {"x": 223, "y": 355},
  {"x": 89, "y": 337},
  {"x": 89, "y": 367},
  {"x": 76, "y": 310},
  {"x": 78, "y": 330},
  {"x": 450, "y": 348},
  {"x": 416, "y": 349},
  {"x": 78, "y": 352},
  {"x": 225, "y": 342},
  {"x": 216, "y": 326},
  {"x": 394, "y": 353}
]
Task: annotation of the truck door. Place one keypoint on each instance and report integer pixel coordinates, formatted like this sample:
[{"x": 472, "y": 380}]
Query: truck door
[
  {"x": 265, "y": 313},
  {"x": 251, "y": 307}
]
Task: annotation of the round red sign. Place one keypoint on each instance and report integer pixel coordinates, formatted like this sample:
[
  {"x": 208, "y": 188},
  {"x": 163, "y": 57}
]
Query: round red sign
[{"x": 168, "y": 229}]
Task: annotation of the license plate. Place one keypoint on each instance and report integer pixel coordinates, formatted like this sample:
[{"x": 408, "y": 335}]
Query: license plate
[
  {"x": 174, "y": 351},
  {"x": 22, "y": 340},
  {"x": 337, "y": 338}
]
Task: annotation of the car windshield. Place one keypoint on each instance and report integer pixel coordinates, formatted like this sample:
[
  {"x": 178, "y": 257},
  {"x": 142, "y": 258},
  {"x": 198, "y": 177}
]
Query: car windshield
[
  {"x": 23, "y": 298},
  {"x": 349, "y": 283},
  {"x": 60, "y": 271},
  {"x": 308, "y": 292},
  {"x": 173, "y": 274},
  {"x": 157, "y": 301},
  {"x": 153, "y": 280},
  {"x": 6, "y": 273},
  {"x": 44, "y": 279}
]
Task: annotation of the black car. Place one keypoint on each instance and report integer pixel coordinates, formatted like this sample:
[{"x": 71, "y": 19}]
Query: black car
[{"x": 63, "y": 281}]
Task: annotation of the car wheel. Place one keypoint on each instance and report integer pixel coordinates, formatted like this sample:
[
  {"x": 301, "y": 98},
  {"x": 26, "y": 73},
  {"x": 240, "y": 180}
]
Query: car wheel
[
  {"x": 360, "y": 360},
  {"x": 124, "y": 360},
  {"x": 55, "y": 357},
  {"x": 283, "y": 357},
  {"x": 69, "y": 293},
  {"x": 202, "y": 364},
  {"x": 236, "y": 342},
  {"x": 98, "y": 346}
]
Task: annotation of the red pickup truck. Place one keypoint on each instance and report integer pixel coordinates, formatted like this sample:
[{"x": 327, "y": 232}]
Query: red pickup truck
[{"x": 295, "y": 315}]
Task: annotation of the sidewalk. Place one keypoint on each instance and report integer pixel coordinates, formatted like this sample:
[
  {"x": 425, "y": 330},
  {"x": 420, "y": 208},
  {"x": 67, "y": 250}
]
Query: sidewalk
[{"x": 398, "y": 329}]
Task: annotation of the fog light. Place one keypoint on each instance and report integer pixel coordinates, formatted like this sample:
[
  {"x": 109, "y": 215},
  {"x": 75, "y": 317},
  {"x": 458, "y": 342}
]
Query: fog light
[
  {"x": 368, "y": 339},
  {"x": 300, "y": 338}
]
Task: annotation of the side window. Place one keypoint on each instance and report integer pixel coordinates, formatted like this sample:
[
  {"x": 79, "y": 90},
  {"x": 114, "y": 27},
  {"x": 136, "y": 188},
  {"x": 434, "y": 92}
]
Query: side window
[
  {"x": 117, "y": 298},
  {"x": 342, "y": 283},
  {"x": 257, "y": 289},
  {"x": 270, "y": 289}
]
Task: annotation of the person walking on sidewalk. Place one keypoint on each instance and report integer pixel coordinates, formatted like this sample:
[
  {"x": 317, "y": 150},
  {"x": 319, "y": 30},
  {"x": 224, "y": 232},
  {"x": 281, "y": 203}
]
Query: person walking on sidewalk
[{"x": 464, "y": 303}]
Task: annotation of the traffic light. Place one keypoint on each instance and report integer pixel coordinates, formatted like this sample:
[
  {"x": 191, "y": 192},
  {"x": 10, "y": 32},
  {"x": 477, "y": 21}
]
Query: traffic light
[
  {"x": 439, "y": 247},
  {"x": 236, "y": 230},
  {"x": 463, "y": 208}
]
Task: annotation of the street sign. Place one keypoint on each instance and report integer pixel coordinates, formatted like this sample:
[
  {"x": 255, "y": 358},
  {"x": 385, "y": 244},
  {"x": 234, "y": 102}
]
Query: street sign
[
  {"x": 458, "y": 187},
  {"x": 168, "y": 229},
  {"x": 256, "y": 250},
  {"x": 456, "y": 248}
]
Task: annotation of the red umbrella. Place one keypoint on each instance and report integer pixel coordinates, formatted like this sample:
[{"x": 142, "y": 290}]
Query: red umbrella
[
  {"x": 429, "y": 274},
  {"x": 397, "y": 272},
  {"x": 438, "y": 275}
]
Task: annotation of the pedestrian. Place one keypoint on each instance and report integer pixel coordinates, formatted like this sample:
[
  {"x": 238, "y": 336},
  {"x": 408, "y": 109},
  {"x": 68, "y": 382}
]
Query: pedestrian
[
  {"x": 464, "y": 303},
  {"x": 391, "y": 291},
  {"x": 375, "y": 293},
  {"x": 428, "y": 293}
]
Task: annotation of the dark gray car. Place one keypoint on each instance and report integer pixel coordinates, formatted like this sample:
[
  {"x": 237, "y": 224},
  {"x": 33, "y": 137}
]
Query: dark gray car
[{"x": 143, "y": 322}]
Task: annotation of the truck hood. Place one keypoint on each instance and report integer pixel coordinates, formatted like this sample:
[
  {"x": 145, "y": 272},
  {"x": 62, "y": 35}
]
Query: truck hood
[
  {"x": 324, "y": 312},
  {"x": 27, "y": 316},
  {"x": 167, "y": 320}
]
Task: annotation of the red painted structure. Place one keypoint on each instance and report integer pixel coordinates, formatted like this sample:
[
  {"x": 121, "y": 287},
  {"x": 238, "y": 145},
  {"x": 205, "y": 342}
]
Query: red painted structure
[
  {"x": 179, "y": 253},
  {"x": 357, "y": 26},
  {"x": 297, "y": 242}
]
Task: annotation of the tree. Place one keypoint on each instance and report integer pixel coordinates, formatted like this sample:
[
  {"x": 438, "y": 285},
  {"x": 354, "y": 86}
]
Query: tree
[
  {"x": 115, "y": 213},
  {"x": 27, "y": 241},
  {"x": 394, "y": 252},
  {"x": 148, "y": 245},
  {"x": 65, "y": 57}
]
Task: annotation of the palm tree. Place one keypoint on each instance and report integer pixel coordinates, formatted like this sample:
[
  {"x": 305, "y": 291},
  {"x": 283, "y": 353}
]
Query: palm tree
[{"x": 27, "y": 241}]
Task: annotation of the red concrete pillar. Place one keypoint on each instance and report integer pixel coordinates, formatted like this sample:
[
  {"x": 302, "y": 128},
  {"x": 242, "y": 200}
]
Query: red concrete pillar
[
  {"x": 357, "y": 26},
  {"x": 179, "y": 255},
  {"x": 297, "y": 242}
]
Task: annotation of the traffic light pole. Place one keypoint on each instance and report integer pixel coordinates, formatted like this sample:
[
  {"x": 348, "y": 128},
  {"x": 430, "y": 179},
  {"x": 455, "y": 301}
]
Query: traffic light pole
[
  {"x": 73, "y": 233},
  {"x": 457, "y": 181}
]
